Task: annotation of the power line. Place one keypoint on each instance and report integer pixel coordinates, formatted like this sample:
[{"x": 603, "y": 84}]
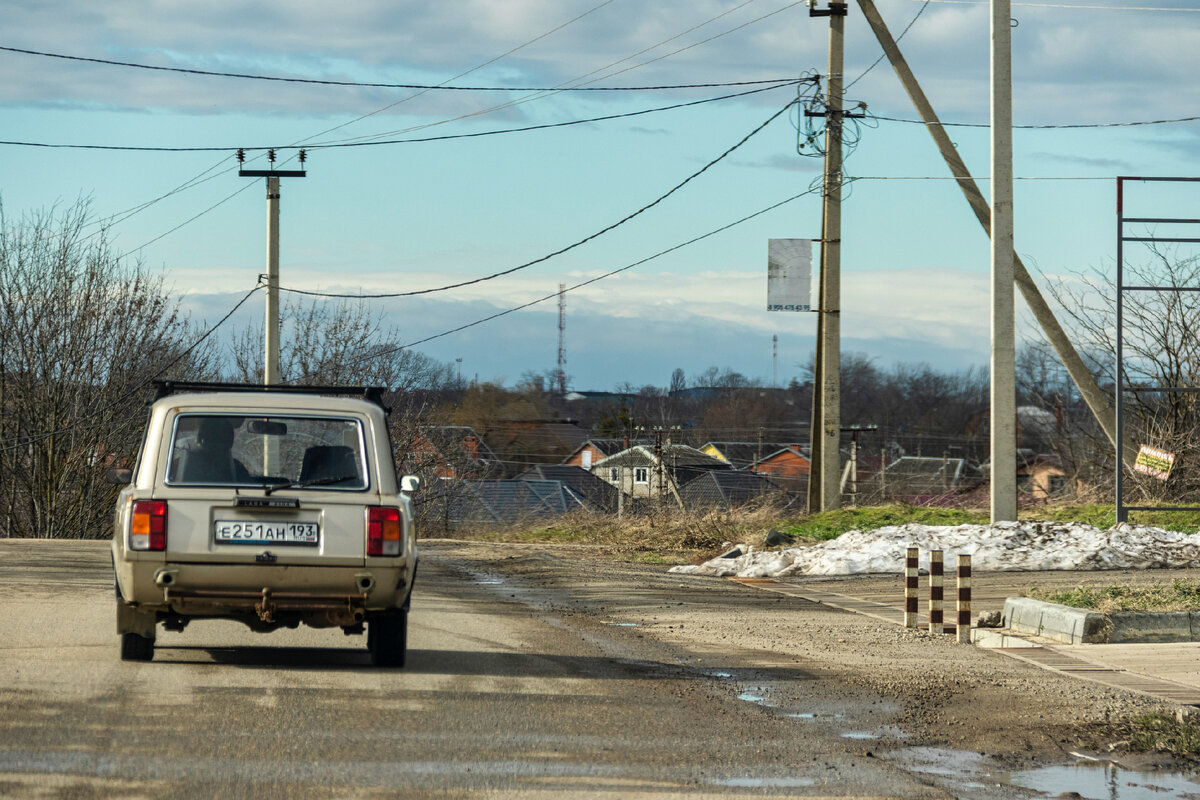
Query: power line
[
  {"x": 1065, "y": 5},
  {"x": 192, "y": 219},
  {"x": 581, "y": 284},
  {"x": 983, "y": 178},
  {"x": 882, "y": 56},
  {"x": 333, "y": 145},
  {"x": 549, "y": 125},
  {"x": 1044, "y": 127},
  {"x": 573, "y": 83},
  {"x": 371, "y": 85},
  {"x": 477, "y": 113},
  {"x": 203, "y": 177},
  {"x": 196, "y": 181},
  {"x": 137, "y": 387},
  {"x": 561, "y": 250}
]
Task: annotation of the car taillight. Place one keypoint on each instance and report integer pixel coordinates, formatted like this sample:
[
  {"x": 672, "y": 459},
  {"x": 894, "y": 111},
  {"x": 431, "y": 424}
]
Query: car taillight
[
  {"x": 148, "y": 529},
  {"x": 383, "y": 531}
]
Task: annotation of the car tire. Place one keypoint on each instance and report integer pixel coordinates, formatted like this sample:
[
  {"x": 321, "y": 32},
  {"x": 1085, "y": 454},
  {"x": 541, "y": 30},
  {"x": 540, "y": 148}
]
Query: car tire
[
  {"x": 135, "y": 647},
  {"x": 387, "y": 639}
]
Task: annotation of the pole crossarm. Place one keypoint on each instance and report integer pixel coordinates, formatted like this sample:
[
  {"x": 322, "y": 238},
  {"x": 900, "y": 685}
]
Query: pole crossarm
[
  {"x": 272, "y": 173},
  {"x": 271, "y": 375}
]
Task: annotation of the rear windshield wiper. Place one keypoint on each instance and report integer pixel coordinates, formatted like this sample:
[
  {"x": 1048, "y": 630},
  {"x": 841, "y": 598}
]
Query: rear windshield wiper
[{"x": 326, "y": 481}]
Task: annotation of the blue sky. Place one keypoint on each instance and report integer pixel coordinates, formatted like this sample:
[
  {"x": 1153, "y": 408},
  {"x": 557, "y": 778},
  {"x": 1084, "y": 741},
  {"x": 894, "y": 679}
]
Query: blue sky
[{"x": 401, "y": 217}]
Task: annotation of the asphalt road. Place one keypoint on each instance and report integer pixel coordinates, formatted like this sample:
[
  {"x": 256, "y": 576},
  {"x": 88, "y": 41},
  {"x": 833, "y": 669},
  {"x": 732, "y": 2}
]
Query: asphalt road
[{"x": 501, "y": 697}]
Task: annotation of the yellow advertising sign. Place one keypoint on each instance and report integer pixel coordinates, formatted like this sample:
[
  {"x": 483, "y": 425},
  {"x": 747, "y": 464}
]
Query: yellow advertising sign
[{"x": 1155, "y": 462}]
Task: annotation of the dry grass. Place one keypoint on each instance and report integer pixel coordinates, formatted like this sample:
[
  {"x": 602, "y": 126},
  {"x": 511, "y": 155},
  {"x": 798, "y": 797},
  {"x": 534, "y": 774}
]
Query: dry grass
[
  {"x": 670, "y": 536},
  {"x": 1180, "y": 595}
]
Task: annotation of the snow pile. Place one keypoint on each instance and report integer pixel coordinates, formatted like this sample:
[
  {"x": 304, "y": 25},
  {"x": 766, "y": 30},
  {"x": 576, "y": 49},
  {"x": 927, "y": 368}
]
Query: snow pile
[{"x": 1001, "y": 546}]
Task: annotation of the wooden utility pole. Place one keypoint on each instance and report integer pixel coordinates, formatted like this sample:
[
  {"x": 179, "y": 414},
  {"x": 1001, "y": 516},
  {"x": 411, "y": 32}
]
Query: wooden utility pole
[{"x": 825, "y": 495}]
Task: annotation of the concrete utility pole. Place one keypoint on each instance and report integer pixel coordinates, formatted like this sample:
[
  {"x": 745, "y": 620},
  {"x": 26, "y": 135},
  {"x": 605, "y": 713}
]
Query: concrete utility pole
[
  {"x": 271, "y": 371},
  {"x": 271, "y": 333},
  {"x": 1091, "y": 393},
  {"x": 560, "y": 376},
  {"x": 1003, "y": 421},
  {"x": 826, "y": 456}
]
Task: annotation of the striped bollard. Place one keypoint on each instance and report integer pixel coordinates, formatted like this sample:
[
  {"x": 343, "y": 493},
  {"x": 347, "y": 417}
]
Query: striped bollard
[
  {"x": 936, "y": 624},
  {"x": 963, "y": 631},
  {"x": 910, "y": 587}
]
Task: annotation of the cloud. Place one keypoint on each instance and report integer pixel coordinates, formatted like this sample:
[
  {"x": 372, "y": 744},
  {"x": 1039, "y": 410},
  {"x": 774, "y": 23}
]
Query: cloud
[
  {"x": 639, "y": 327},
  {"x": 1113, "y": 165},
  {"x": 1081, "y": 65}
]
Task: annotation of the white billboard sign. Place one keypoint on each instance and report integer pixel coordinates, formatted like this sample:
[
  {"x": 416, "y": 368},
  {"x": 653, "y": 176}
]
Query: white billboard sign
[{"x": 789, "y": 275}]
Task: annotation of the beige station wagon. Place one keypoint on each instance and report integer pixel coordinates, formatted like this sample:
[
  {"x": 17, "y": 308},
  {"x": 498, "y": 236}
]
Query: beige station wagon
[{"x": 274, "y": 506}]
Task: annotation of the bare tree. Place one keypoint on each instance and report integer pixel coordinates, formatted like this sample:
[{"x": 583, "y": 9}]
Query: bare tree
[
  {"x": 1161, "y": 351},
  {"x": 346, "y": 344},
  {"x": 341, "y": 343},
  {"x": 82, "y": 333}
]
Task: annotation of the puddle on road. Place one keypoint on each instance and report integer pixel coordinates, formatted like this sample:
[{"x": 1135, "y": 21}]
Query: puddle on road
[
  {"x": 766, "y": 783},
  {"x": 1107, "y": 782},
  {"x": 621, "y": 624},
  {"x": 859, "y": 735},
  {"x": 970, "y": 774},
  {"x": 752, "y": 697},
  {"x": 813, "y": 715}
]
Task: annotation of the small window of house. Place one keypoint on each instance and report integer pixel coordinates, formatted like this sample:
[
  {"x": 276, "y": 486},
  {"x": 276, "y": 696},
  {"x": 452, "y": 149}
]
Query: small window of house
[
  {"x": 614, "y": 474},
  {"x": 641, "y": 474}
]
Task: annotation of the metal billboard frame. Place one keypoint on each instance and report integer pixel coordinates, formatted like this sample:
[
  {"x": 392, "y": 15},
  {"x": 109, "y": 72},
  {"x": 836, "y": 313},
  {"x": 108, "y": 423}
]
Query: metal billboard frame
[{"x": 1122, "y": 510}]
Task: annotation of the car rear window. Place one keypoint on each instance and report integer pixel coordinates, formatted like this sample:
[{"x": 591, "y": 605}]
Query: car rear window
[{"x": 306, "y": 452}]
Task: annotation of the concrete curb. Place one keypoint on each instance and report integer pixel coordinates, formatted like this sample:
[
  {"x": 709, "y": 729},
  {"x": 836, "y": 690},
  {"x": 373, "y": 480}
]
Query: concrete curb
[
  {"x": 1054, "y": 621},
  {"x": 1164, "y": 626},
  {"x": 1080, "y": 626}
]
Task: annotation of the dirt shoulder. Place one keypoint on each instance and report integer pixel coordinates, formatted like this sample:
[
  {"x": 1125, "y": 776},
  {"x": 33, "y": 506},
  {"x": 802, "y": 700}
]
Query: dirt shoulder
[{"x": 930, "y": 691}]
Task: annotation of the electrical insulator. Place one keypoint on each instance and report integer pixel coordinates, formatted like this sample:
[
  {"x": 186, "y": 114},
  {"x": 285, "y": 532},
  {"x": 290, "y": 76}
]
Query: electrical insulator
[
  {"x": 303, "y": 156},
  {"x": 271, "y": 156},
  {"x": 241, "y": 156}
]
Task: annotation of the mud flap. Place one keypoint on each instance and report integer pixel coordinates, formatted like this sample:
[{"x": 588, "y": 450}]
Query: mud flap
[{"x": 132, "y": 620}]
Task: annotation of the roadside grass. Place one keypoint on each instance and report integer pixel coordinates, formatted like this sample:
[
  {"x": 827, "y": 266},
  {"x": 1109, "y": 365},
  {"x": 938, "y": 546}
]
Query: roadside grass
[
  {"x": 1161, "y": 733},
  {"x": 666, "y": 538},
  {"x": 673, "y": 537},
  {"x": 1181, "y": 595},
  {"x": 1104, "y": 516},
  {"x": 832, "y": 524}
]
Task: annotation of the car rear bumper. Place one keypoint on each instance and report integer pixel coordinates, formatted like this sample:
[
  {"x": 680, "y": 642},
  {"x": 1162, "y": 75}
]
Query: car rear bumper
[{"x": 317, "y": 596}]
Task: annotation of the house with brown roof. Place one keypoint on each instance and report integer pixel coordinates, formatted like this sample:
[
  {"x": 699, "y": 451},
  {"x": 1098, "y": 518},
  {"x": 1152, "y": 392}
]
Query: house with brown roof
[
  {"x": 448, "y": 451},
  {"x": 741, "y": 455},
  {"x": 786, "y": 466}
]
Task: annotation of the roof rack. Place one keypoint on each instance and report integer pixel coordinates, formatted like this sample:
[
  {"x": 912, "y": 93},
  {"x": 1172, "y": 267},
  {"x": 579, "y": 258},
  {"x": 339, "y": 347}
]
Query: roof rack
[{"x": 373, "y": 394}]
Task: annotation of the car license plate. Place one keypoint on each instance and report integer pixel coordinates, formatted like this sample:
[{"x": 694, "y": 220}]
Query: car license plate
[{"x": 258, "y": 532}]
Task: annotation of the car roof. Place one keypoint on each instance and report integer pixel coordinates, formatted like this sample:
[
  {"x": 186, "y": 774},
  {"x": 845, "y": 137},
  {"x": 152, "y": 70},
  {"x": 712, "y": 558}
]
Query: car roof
[{"x": 244, "y": 402}]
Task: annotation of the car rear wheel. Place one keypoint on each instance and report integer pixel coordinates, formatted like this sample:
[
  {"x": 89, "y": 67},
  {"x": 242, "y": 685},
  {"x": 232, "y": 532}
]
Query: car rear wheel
[
  {"x": 136, "y": 648},
  {"x": 387, "y": 639}
]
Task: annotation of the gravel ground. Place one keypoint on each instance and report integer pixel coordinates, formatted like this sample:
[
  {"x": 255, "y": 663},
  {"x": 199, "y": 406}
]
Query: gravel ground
[{"x": 929, "y": 691}]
